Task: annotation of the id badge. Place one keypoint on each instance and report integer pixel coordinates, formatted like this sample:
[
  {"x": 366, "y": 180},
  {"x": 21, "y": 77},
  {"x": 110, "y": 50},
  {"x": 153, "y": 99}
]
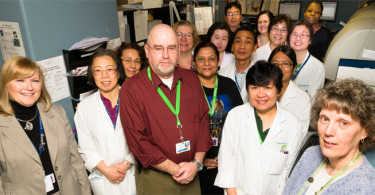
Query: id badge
[
  {"x": 215, "y": 141},
  {"x": 182, "y": 147},
  {"x": 48, "y": 182}
]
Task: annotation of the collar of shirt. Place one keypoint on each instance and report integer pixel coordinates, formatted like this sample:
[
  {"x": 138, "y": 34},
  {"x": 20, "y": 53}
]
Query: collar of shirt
[
  {"x": 157, "y": 81},
  {"x": 244, "y": 72},
  {"x": 110, "y": 110}
]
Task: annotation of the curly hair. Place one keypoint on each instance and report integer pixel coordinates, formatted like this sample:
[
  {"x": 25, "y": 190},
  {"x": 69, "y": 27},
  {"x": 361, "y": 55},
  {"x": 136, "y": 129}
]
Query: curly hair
[{"x": 351, "y": 97}]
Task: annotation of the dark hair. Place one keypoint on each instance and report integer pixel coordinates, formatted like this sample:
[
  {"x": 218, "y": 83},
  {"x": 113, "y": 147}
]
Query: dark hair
[
  {"x": 204, "y": 45},
  {"x": 220, "y": 26},
  {"x": 135, "y": 46},
  {"x": 279, "y": 19},
  {"x": 110, "y": 53},
  {"x": 302, "y": 23},
  {"x": 245, "y": 28},
  {"x": 264, "y": 12},
  {"x": 288, "y": 51},
  {"x": 233, "y": 4},
  {"x": 262, "y": 74},
  {"x": 317, "y": 2}
]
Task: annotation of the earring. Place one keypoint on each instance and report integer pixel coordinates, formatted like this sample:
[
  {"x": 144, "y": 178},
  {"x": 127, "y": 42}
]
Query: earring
[{"x": 362, "y": 141}]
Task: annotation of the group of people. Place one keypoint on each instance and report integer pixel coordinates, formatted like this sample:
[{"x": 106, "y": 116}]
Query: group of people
[{"x": 181, "y": 116}]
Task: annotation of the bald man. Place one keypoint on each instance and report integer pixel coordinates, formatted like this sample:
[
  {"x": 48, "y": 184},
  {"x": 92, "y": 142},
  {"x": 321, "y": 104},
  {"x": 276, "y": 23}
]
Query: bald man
[{"x": 164, "y": 115}]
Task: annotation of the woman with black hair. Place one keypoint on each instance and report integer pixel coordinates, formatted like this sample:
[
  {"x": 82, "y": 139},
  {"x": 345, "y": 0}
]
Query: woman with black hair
[
  {"x": 322, "y": 36},
  {"x": 221, "y": 95},
  {"x": 291, "y": 97},
  {"x": 260, "y": 139},
  {"x": 263, "y": 20},
  {"x": 102, "y": 144},
  {"x": 220, "y": 35}
]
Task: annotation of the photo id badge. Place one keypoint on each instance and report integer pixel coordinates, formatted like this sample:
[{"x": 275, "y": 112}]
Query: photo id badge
[
  {"x": 215, "y": 141},
  {"x": 182, "y": 147},
  {"x": 48, "y": 181}
]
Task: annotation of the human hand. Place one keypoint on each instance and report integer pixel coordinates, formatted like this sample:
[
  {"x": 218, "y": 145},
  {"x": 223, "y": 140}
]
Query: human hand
[
  {"x": 114, "y": 174},
  {"x": 123, "y": 166},
  {"x": 210, "y": 163},
  {"x": 186, "y": 173}
]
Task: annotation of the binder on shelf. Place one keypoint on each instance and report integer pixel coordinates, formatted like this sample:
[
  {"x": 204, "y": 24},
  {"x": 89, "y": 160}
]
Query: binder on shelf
[
  {"x": 78, "y": 85},
  {"x": 78, "y": 58},
  {"x": 75, "y": 59}
]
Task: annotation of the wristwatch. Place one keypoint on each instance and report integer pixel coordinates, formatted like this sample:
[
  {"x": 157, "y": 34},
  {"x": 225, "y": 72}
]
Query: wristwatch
[{"x": 199, "y": 164}]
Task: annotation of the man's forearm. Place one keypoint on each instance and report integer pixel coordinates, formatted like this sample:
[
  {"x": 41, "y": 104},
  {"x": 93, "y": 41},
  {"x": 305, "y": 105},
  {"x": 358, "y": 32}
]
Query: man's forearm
[
  {"x": 199, "y": 156},
  {"x": 167, "y": 166}
]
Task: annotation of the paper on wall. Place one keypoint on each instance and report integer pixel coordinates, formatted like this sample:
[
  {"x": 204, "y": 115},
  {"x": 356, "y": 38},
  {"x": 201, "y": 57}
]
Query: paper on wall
[
  {"x": 203, "y": 19},
  {"x": 11, "y": 40},
  {"x": 55, "y": 77},
  {"x": 140, "y": 25}
]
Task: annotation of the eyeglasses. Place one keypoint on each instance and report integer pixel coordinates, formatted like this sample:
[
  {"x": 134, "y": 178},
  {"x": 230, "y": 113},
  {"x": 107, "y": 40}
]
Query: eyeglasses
[
  {"x": 302, "y": 36},
  {"x": 129, "y": 61},
  {"x": 282, "y": 30},
  {"x": 108, "y": 70},
  {"x": 188, "y": 35},
  {"x": 283, "y": 64},
  {"x": 159, "y": 49},
  {"x": 264, "y": 22},
  {"x": 233, "y": 13}
]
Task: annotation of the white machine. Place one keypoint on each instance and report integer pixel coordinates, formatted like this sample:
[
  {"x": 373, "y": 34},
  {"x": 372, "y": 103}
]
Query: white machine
[{"x": 352, "y": 51}]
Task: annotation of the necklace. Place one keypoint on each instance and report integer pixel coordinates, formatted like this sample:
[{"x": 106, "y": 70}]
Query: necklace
[
  {"x": 338, "y": 174},
  {"x": 28, "y": 126},
  {"x": 316, "y": 28}
]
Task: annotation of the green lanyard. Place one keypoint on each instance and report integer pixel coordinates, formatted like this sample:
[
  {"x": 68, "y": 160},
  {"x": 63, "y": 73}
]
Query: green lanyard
[
  {"x": 311, "y": 179},
  {"x": 166, "y": 100},
  {"x": 212, "y": 108}
]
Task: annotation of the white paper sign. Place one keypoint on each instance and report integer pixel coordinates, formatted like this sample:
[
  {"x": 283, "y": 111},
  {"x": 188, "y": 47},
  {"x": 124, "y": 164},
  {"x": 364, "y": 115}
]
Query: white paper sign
[
  {"x": 140, "y": 25},
  {"x": 203, "y": 19},
  {"x": 55, "y": 75},
  {"x": 11, "y": 40}
]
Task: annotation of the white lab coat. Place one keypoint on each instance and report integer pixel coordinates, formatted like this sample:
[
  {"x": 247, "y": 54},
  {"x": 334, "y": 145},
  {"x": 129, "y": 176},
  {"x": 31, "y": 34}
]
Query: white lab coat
[
  {"x": 262, "y": 53},
  {"x": 252, "y": 168},
  {"x": 228, "y": 58},
  {"x": 311, "y": 77},
  {"x": 97, "y": 141},
  {"x": 230, "y": 72},
  {"x": 296, "y": 101}
]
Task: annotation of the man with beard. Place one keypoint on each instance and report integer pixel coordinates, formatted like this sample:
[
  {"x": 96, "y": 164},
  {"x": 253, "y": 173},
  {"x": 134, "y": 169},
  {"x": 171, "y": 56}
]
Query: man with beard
[{"x": 164, "y": 117}]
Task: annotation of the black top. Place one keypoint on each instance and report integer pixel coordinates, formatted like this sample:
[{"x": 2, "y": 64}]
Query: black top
[
  {"x": 320, "y": 42},
  {"x": 26, "y": 113},
  {"x": 227, "y": 98}
]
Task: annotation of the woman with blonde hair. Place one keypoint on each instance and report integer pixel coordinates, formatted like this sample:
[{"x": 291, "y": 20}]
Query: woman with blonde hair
[
  {"x": 344, "y": 114},
  {"x": 38, "y": 152},
  {"x": 188, "y": 38}
]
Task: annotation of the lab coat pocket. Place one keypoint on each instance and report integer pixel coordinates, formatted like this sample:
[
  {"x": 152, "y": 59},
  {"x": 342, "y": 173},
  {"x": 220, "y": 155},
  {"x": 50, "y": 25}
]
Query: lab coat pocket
[
  {"x": 275, "y": 162},
  {"x": 97, "y": 184}
]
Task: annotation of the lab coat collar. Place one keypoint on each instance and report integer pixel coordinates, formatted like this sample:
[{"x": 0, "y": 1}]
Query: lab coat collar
[
  {"x": 290, "y": 94},
  {"x": 98, "y": 103},
  {"x": 276, "y": 126}
]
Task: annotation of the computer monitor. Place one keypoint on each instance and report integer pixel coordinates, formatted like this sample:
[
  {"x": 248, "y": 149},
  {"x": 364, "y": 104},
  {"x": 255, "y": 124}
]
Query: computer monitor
[
  {"x": 290, "y": 9},
  {"x": 329, "y": 10}
]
